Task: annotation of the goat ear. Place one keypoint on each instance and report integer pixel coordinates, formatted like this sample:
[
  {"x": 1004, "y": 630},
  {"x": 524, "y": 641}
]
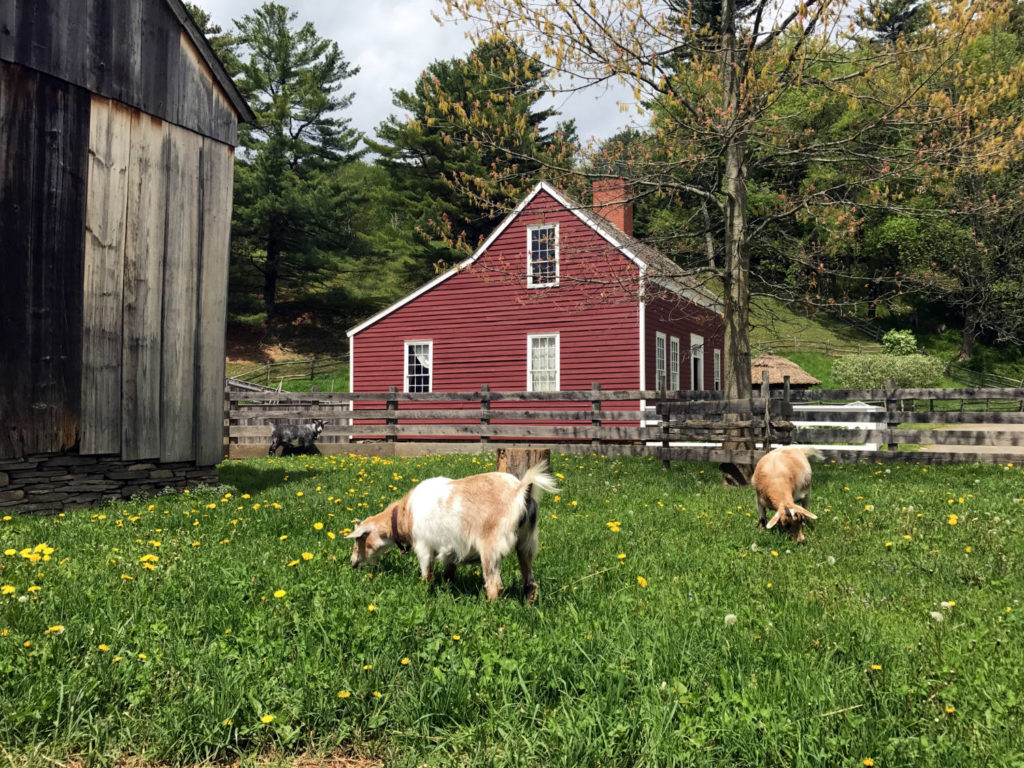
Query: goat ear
[
  {"x": 773, "y": 521},
  {"x": 360, "y": 532},
  {"x": 809, "y": 515}
]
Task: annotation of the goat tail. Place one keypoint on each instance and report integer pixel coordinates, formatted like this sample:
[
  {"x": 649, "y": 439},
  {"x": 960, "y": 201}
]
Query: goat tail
[
  {"x": 527, "y": 495},
  {"x": 809, "y": 452}
]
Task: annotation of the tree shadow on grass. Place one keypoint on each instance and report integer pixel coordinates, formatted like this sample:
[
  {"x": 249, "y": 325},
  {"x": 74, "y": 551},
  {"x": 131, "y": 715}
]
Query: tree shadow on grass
[{"x": 250, "y": 478}]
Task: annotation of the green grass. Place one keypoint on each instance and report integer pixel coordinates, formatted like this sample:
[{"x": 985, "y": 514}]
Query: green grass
[{"x": 627, "y": 660}]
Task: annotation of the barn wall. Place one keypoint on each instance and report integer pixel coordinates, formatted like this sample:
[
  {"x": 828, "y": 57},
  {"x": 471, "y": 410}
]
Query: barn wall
[
  {"x": 134, "y": 51},
  {"x": 667, "y": 314},
  {"x": 44, "y": 136},
  {"x": 479, "y": 319},
  {"x": 157, "y": 223}
]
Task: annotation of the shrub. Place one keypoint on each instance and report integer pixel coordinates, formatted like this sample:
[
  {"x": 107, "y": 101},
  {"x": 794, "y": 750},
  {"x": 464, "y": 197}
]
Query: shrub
[
  {"x": 874, "y": 371},
  {"x": 899, "y": 342}
]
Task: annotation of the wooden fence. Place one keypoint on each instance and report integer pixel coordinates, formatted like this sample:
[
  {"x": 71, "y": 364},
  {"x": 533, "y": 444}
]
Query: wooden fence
[{"x": 958, "y": 425}]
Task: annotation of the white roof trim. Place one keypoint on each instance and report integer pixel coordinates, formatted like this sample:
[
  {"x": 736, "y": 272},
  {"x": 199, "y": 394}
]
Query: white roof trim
[{"x": 557, "y": 195}]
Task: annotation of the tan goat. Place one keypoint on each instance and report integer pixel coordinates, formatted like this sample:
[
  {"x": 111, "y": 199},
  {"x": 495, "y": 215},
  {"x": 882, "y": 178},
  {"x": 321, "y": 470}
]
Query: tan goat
[{"x": 781, "y": 478}]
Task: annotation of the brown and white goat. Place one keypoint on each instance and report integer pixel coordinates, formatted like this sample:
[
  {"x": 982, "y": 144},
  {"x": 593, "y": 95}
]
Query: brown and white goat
[
  {"x": 474, "y": 518},
  {"x": 781, "y": 478}
]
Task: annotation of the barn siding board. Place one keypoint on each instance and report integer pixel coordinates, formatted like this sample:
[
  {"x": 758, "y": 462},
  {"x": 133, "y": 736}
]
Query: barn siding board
[
  {"x": 44, "y": 136},
  {"x": 129, "y": 50},
  {"x": 105, "y": 218},
  {"x": 143, "y": 289},
  {"x": 177, "y": 365},
  {"x": 217, "y": 177}
]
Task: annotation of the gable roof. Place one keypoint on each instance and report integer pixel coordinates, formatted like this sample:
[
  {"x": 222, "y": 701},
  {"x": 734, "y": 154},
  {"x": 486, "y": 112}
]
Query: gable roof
[
  {"x": 658, "y": 268},
  {"x": 245, "y": 113}
]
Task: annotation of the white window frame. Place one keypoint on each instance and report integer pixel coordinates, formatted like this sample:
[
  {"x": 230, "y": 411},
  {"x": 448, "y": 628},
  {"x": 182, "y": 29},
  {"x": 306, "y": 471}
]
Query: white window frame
[
  {"x": 660, "y": 361},
  {"x": 718, "y": 370},
  {"x": 697, "y": 358},
  {"x": 405, "y": 363},
  {"x": 529, "y": 256},
  {"x": 673, "y": 363},
  {"x": 529, "y": 360}
]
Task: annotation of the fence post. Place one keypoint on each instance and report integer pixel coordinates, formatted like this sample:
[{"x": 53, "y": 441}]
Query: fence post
[
  {"x": 312, "y": 367},
  {"x": 766, "y": 442},
  {"x": 595, "y": 414},
  {"x": 485, "y": 412},
  {"x": 665, "y": 415},
  {"x": 787, "y": 410},
  {"x": 890, "y": 409},
  {"x": 391, "y": 405}
]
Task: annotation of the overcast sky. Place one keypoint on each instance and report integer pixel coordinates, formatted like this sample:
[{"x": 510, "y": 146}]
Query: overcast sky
[{"x": 392, "y": 42}]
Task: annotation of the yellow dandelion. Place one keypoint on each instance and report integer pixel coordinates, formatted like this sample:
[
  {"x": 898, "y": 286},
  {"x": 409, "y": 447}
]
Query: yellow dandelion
[
  {"x": 143, "y": 656},
  {"x": 103, "y": 647},
  {"x": 10, "y": 552},
  {"x": 283, "y": 537},
  {"x": 267, "y": 719},
  {"x": 371, "y": 607},
  {"x": 280, "y": 593},
  {"x": 868, "y": 762},
  {"x": 7, "y": 589},
  {"x": 768, "y": 585},
  {"x": 641, "y": 581},
  {"x": 298, "y": 493},
  {"x": 405, "y": 661},
  {"x": 318, "y": 526},
  {"x": 367, "y": 667},
  {"x": 34, "y": 588},
  {"x": 456, "y": 637},
  {"x": 56, "y": 629},
  {"x": 344, "y": 694},
  {"x": 377, "y": 694},
  {"x": 774, "y": 553},
  {"x": 621, "y": 555},
  {"x": 876, "y": 667}
]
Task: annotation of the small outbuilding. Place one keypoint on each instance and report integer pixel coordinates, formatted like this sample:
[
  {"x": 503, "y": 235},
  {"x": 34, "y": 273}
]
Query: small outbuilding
[
  {"x": 117, "y": 134},
  {"x": 778, "y": 369}
]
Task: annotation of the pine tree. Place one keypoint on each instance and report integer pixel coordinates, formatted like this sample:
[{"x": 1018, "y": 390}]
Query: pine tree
[{"x": 286, "y": 222}]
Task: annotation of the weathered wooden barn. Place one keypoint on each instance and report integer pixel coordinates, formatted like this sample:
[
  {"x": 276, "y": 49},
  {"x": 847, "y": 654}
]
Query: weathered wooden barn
[
  {"x": 117, "y": 134},
  {"x": 561, "y": 295}
]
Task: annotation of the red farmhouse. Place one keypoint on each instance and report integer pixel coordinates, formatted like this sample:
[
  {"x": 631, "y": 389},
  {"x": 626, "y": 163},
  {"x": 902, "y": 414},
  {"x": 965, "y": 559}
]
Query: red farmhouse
[{"x": 558, "y": 297}]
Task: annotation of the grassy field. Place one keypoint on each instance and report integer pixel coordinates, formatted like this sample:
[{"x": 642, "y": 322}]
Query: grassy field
[{"x": 227, "y": 624}]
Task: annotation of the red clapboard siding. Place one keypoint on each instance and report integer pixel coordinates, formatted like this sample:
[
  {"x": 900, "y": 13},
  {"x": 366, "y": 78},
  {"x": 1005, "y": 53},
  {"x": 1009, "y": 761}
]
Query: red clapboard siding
[
  {"x": 673, "y": 316},
  {"x": 479, "y": 320}
]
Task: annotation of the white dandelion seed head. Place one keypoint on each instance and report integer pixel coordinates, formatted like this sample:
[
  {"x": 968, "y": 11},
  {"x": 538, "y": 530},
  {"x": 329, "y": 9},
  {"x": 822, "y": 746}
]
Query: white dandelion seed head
[
  {"x": 753, "y": 547},
  {"x": 936, "y": 616},
  {"x": 23, "y": 598},
  {"x": 730, "y": 619},
  {"x": 945, "y": 605},
  {"x": 910, "y": 508},
  {"x": 995, "y": 519},
  {"x": 831, "y": 560}
]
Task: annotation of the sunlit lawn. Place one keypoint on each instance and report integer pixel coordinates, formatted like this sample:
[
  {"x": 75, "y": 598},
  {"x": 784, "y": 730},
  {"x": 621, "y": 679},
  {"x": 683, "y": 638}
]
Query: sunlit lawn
[{"x": 228, "y": 623}]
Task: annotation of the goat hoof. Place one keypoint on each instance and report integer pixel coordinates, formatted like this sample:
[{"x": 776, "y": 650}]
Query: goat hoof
[{"x": 530, "y": 593}]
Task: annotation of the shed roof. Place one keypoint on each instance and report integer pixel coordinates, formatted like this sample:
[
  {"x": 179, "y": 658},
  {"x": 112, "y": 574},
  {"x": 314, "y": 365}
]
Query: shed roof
[
  {"x": 657, "y": 267},
  {"x": 778, "y": 368}
]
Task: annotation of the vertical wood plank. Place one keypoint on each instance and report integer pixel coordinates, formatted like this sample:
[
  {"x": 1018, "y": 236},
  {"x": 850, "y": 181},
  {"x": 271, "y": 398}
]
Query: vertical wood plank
[
  {"x": 178, "y": 358},
  {"x": 7, "y": 27},
  {"x": 143, "y": 289},
  {"x": 217, "y": 181},
  {"x": 44, "y": 139},
  {"x": 109, "y": 144}
]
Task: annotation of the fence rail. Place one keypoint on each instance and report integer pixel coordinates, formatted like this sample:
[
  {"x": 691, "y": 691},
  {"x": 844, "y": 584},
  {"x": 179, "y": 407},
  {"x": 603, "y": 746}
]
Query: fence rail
[
  {"x": 683, "y": 425},
  {"x": 293, "y": 370}
]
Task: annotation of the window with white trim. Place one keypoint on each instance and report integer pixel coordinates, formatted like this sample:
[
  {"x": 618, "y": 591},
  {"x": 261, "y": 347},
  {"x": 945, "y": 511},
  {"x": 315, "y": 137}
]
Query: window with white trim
[
  {"x": 542, "y": 366},
  {"x": 542, "y": 256},
  {"x": 696, "y": 361},
  {"x": 673, "y": 363},
  {"x": 659, "y": 361},
  {"x": 718, "y": 370},
  {"x": 419, "y": 366}
]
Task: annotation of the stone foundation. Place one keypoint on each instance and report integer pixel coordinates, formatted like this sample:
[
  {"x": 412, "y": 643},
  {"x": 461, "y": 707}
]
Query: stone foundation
[{"x": 51, "y": 483}]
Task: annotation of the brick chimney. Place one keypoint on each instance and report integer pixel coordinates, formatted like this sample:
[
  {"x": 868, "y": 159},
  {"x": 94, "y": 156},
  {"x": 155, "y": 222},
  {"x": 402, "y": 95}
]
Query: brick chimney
[{"x": 613, "y": 200}]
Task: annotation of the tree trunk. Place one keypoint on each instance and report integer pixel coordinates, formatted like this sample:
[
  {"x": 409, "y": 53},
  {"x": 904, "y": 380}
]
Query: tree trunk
[
  {"x": 517, "y": 460},
  {"x": 968, "y": 338},
  {"x": 736, "y": 298},
  {"x": 270, "y": 274}
]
